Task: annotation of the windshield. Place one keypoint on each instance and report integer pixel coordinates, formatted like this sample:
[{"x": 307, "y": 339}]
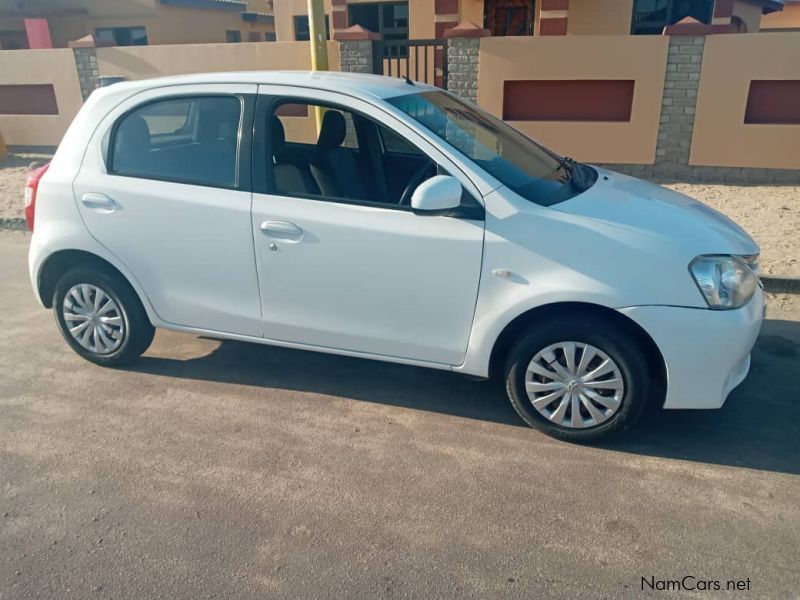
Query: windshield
[{"x": 515, "y": 160}]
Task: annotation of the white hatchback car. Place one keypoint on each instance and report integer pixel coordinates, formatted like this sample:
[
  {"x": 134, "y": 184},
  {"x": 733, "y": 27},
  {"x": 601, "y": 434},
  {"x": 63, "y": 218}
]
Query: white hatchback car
[{"x": 371, "y": 217}]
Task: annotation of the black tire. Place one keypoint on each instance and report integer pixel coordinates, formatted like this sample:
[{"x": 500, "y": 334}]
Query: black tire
[
  {"x": 138, "y": 331},
  {"x": 616, "y": 342}
]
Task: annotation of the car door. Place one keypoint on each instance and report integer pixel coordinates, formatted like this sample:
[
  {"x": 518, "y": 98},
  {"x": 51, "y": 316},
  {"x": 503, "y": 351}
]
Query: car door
[
  {"x": 165, "y": 187},
  {"x": 354, "y": 272}
]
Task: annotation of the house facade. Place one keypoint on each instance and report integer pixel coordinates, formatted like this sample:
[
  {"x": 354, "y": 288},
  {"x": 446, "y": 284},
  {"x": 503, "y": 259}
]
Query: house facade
[
  {"x": 425, "y": 19},
  {"x": 54, "y": 23},
  {"x": 786, "y": 20}
]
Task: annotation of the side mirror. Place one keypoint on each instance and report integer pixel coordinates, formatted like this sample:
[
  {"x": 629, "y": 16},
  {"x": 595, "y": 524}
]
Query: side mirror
[{"x": 437, "y": 194}]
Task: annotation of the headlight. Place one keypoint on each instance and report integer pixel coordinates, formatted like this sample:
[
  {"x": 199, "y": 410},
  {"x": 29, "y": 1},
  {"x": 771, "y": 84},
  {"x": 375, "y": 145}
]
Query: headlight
[
  {"x": 753, "y": 262},
  {"x": 725, "y": 281}
]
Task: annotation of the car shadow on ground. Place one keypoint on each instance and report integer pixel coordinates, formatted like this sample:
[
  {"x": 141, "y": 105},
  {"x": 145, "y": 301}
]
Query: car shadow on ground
[{"x": 758, "y": 428}]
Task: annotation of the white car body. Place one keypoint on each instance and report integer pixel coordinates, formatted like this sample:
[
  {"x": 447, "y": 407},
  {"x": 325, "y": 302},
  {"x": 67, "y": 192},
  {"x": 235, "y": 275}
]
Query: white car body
[{"x": 201, "y": 259}]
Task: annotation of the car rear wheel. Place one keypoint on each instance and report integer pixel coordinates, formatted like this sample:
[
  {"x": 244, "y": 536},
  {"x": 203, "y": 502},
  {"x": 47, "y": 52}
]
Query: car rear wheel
[
  {"x": 577, "y": 378},
  {"x": 101, "y": 318}
]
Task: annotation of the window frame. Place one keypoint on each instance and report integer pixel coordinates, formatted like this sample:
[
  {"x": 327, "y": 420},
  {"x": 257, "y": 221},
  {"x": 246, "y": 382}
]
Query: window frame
[
  {"x": 114, "y": 30},
  {"x": 670, "y": 20},
  {"x": 298, "y": 18},
  {"x": 242, "y": 169},
  {"x": 264, "y": 183},
  {"x": 383, "y": 30},
  {"x": 530, "y": 20}
]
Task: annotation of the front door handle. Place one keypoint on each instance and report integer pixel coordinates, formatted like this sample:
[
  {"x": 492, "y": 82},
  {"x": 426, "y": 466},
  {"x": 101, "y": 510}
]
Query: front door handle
[
  {"x": 282, "y": 230},
  {"x": 97, "y": 201}
]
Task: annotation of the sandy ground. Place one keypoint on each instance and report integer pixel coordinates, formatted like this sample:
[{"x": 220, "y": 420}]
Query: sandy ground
[
  {"x": 229, "y": 470},
  {"x": 771, "y": 214},
  {"x": 13, "y": 172},
  {"x": 784, "y": 307}
]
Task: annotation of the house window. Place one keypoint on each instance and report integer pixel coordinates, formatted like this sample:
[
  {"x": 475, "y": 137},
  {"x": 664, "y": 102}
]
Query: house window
[
  {"x": 13, "y": 40},
  {"x": 509, "y": 17},
  {"x": 123, "y": 36},
  {"x": 390, "y": 19},
  {"x": 651, "y": 16},
  {"x": 302, "y": 31},
  {"x": 233, "y": 37}
]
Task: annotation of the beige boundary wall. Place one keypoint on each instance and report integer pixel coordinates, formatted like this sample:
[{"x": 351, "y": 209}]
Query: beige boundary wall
[
  {"x": 718, "y": 137},
  {"x": 140, "y": 62},
  {"x": 176, "y": 25},
  {"x": 730, "y": 63},
  {"x": 642, "y": 59},
  {"x": 55, "y": 67},
  {"x": 156, "y": 61}
]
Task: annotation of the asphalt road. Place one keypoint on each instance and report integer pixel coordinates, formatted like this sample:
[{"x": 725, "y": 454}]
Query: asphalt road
[{"x": 228, "y": 470}]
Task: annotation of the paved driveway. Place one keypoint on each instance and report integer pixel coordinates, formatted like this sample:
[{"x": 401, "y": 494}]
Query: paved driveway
[{"x": 227, "y": 470}]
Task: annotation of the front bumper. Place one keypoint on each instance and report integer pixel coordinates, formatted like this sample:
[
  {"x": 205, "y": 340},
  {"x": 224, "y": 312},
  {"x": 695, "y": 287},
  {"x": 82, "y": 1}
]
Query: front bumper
[{"x": 707, "y": 352}]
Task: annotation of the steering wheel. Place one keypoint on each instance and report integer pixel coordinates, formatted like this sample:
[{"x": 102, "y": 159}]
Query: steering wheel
[{"x": 428, "y": 169}]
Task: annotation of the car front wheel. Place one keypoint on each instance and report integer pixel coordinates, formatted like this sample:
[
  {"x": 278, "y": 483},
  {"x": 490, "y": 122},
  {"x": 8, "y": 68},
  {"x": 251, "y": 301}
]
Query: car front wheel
[
  {"x": 101, "y": 318},
  {"x": 578, "y": 378}
]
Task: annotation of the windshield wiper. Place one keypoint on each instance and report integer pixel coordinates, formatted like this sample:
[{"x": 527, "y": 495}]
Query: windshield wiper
[
  {"x": 567, "y": 165},
  {"x": 575, "y": 173}
]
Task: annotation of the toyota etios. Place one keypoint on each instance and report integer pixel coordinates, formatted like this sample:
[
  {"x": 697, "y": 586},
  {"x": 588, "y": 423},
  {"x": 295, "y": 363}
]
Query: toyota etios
[{"x": 372, "y": 217}]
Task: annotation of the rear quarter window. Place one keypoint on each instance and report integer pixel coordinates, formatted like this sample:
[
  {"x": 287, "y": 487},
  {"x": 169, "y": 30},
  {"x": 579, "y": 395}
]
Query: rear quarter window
[{"x": 191, "y": 140}]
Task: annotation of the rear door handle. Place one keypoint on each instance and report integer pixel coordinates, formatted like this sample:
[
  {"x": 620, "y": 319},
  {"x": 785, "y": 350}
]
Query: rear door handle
[
  {"x": 97, "y": 201},
  {"x": 282, "y": 230}
]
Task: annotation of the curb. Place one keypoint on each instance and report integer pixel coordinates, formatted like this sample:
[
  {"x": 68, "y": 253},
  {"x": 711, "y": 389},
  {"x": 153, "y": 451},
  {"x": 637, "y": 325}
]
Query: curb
[
  {"x": 781, "y": 285},
  {"x": 774, "y": 285},
  {"x": 14, "y": 223}
]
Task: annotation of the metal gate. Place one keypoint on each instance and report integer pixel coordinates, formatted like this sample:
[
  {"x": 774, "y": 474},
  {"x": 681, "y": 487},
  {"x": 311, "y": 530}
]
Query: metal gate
[{"x": 419, "y": 60}]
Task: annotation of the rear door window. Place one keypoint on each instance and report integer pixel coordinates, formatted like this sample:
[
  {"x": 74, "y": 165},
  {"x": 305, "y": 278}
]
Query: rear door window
[{"x": 187, "y": 140}]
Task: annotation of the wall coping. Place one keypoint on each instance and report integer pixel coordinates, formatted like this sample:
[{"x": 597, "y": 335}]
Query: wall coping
[
  {"x": 356, "y": 33},
  {"x": 466, "y": 29},
  {"x": 691, "y": 26}
]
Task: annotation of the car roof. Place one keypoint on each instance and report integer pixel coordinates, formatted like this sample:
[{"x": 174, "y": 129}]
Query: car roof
[{"x": 354, "y": 84}]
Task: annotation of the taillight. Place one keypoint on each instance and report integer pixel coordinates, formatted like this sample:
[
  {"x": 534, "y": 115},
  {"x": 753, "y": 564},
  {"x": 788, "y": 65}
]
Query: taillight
[{"x": 31, "y": 187}]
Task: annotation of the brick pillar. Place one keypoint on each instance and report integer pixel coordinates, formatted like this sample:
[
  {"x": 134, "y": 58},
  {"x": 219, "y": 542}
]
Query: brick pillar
[
  {"x": 463, "y": 51},
  {"x": 678, "y": 104},
  {"x": 86, "y": 63},
  {"x": 553, "y": 17},
  {"x": 358, "y": 52}
]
